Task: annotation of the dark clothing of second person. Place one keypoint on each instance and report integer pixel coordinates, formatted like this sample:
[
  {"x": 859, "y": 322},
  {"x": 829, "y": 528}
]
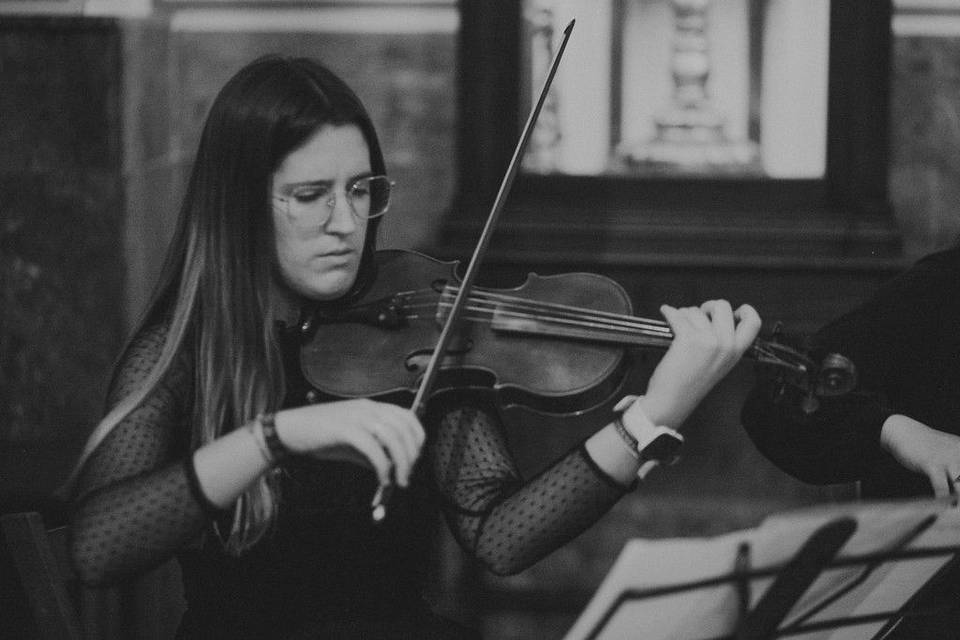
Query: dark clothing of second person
[{"x": 905, "y": 343}]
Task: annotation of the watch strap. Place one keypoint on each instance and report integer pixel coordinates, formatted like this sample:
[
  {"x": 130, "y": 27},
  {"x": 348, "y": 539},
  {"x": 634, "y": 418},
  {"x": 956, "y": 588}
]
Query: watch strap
[{"x": 653, "y": 444}]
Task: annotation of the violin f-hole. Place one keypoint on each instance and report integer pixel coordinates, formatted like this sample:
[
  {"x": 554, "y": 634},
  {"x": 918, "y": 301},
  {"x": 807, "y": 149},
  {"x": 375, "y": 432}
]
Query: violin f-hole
[{"x": 417, "y": 361}]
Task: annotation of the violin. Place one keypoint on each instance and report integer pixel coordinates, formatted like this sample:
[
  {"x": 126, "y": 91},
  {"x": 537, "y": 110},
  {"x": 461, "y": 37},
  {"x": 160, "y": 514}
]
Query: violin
[
  {"x": 557, "y": 344},
  {"x": 554, "y": 343}
]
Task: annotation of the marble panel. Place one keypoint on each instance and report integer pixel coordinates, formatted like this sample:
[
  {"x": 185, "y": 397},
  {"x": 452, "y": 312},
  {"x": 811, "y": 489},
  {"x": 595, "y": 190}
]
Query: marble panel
[{"x": 61, "y": 233}]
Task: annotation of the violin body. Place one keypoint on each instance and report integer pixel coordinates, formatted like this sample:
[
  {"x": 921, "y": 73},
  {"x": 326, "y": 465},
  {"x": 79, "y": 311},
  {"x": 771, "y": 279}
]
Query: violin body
[
  {"x": 380, "y": 346},
  {"x": 556, "y": 344}
]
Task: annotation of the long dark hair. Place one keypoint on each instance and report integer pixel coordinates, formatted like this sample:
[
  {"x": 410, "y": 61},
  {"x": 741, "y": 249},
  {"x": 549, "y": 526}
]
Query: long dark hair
[{"x": 214, "y": 288}]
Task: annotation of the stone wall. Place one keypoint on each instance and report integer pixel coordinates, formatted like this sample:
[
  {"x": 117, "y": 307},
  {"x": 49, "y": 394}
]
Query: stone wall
[{"x": 61, "y": 241}]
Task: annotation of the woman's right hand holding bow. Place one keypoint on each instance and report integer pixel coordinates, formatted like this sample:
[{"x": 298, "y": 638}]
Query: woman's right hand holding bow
[{"x": 382, "y": 436}]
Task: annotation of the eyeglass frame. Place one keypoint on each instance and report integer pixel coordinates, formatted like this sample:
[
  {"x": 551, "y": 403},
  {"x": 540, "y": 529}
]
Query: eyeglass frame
[{"x": 331, "y": 202}]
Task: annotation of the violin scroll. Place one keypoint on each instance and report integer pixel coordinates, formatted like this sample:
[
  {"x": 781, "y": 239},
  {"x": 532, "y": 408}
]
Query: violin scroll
[
  {"x": 837, "y": 376},
  {"x": 834, "y": 376}
]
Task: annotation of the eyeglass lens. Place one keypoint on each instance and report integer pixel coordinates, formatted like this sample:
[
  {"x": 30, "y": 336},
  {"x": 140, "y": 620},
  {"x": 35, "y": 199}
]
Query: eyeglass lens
[{"x": 369, "y": 197}]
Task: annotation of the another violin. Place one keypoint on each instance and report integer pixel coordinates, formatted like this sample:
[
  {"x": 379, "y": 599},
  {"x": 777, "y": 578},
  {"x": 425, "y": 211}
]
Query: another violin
[{"x": 556, "y": 344}]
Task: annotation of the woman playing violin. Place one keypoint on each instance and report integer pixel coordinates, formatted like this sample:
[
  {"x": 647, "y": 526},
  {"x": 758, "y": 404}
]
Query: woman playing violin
[{"x": 211, "y": 453}]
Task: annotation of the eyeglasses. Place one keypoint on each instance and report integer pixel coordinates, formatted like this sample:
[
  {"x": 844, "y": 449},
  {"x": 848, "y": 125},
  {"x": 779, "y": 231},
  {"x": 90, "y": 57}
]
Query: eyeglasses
[{"x": 368, "y": 197}]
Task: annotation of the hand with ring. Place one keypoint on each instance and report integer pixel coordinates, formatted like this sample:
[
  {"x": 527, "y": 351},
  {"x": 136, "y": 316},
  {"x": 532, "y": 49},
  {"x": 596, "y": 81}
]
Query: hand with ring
[{"x": 926, "y": 450}]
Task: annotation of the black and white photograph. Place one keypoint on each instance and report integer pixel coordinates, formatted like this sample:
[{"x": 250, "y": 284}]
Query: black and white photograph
[{"x": 480, "y": 319}]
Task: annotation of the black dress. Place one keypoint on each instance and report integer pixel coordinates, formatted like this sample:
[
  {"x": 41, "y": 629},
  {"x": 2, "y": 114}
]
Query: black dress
[
  {"x": 324, "y": 570},
  {"x": 905, "y": 342}
]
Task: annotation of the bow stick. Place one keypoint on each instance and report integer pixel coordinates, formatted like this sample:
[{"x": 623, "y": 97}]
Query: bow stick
[{"x": 382, "y": 496}]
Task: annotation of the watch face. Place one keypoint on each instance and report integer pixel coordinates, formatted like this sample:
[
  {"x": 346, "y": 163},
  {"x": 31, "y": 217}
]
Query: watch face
[{"x": 664, "y": 448}]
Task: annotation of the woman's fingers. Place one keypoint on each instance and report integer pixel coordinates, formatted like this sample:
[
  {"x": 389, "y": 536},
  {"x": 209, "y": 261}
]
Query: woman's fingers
[
  {"x": 685, "y": 322},
  {"x": 401, "y": 435},
  {"x": 923, "y": 449},
  {"x": 721, "y": 319},
  {"x": 945, "y": 477},
  {"x": 748, "y": 326},
  {"x": 672, "y": 316},
  {"x": 411, "y": 430},
  {"x": 942, "y": 484},
  {"x": 374, "y": 452},
  {"x": 696, "y": 318},
  {"x": 708, "y": 341},
  {"x": 733, "y": 332},
  {"x": 736, "y": 330},
  {"x": 387, "y": 436},
  {"x": 953, "y": 480}
]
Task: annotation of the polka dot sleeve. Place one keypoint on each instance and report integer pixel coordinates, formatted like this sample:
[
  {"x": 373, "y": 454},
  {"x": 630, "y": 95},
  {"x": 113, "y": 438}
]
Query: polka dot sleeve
[
  {"x": 505, "y": 523},
  {"x": 133, "y": 507}
]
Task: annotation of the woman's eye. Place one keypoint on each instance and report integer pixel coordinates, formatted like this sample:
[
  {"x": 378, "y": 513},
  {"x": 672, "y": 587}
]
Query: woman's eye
[
  {"x": 311, "y": 194},
  {"x": 359, "y": 191}
]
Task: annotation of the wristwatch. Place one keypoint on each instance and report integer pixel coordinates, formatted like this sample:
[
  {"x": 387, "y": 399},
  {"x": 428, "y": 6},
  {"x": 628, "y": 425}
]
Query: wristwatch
[{"x": 649, "y": 443}]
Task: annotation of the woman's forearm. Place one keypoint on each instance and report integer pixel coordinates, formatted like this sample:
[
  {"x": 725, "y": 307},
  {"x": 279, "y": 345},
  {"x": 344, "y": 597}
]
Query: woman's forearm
[
  {"x": 229, "y": 464},
  {"x": 609, "y": 451}
]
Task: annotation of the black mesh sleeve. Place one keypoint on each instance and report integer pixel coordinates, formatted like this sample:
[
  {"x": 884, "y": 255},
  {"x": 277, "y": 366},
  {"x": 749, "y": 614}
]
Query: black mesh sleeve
[
  {"x": 133, "y": 506},
  {"x": 505, "y": 523}
]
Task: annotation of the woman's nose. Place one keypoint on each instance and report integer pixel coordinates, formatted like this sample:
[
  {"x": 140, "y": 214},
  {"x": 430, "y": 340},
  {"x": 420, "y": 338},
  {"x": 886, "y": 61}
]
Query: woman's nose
[{"x": 342, "y": 219}]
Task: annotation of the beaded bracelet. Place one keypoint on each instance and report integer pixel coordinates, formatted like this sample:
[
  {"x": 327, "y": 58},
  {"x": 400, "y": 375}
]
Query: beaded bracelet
[
  {"x": 631, "y": 442},
  {"x": 277, "y": 449}
]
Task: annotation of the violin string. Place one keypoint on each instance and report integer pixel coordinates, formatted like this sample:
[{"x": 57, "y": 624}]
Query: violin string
[
  {"x": 625, "y": 320},
  {"x": 593, "y": 313},
  {"x": 485, "y": 317},
  {"x": 522, "y": 308},
  {"x": 660, "y": 329},
  {"x": 656, "y": 327},
  {"x": 561, "y": 322},
  {"x": 620, "y": 336},
  {"x": 493, "y": 312},
  {"x": 539, "y": 305},
  {"x": 569, "y": 320},
  {"x": 554, "y": 311},
  {"x": 561, "y": 310}
]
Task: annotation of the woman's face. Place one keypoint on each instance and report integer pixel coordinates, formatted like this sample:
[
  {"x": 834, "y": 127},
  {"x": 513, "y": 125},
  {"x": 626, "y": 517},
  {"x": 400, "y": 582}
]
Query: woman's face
[{"x": 319, "y": 239}]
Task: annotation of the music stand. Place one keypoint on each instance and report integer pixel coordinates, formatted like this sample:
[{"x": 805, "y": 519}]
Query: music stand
[{"x": 839, "y": 572}]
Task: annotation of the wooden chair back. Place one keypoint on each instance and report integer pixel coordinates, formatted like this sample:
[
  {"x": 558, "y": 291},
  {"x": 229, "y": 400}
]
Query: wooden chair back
[{"x": 41, "y": 561}]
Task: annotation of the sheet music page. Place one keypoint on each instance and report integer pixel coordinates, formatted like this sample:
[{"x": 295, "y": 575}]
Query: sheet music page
[
  {"x": 701, "y": 610},
  {"x": 870, "y": 588},
  {"x": 646, "y": 564}
]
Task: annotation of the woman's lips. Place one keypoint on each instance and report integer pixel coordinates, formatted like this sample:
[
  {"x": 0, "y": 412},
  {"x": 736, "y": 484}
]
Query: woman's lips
[{"x": 336, "y": 253}]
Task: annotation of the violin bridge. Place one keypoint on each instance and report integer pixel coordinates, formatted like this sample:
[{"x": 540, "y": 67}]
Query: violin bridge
[
  {"x": 517, "y": 325},
  {"x": 447, "y": 296}
]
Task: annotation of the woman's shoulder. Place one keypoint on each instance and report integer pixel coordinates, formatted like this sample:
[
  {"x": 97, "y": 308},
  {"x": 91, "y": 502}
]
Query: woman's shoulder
[
  {"x": 150, "y": 335},
  {"x": 145, "y": 346},
  {"x": 144, "y": 351}
]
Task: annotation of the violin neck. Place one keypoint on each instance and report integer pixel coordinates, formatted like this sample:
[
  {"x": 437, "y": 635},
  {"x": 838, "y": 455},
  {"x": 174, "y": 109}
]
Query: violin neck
[
  {"x": 630, "y": 331},
  {"x": 513, "y": 315},
  {"x": 582, "y": 331}
]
